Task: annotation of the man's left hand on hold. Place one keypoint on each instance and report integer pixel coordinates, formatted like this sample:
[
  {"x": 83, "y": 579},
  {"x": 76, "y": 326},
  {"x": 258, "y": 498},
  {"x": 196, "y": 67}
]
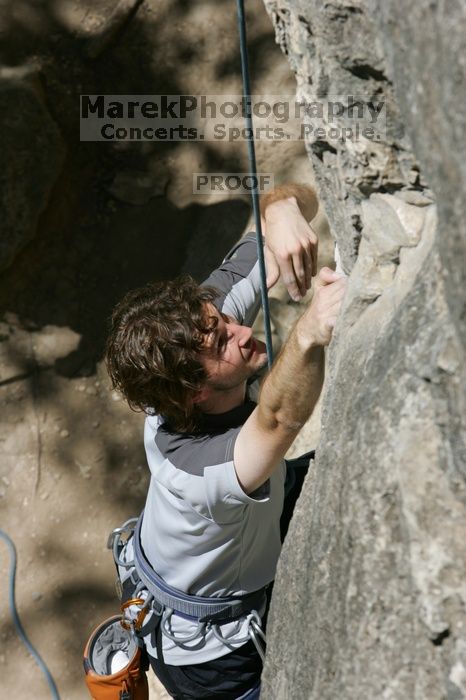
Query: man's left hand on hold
[{"x": 290, "y": 247}]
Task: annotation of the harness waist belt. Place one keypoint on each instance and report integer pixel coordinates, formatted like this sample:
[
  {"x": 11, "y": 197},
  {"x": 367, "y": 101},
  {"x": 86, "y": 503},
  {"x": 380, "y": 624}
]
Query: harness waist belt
[{"x": 201, "y": 608}]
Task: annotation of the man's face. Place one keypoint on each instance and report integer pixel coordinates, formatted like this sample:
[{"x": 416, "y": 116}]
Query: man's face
[{"x": 231, "y": 354}]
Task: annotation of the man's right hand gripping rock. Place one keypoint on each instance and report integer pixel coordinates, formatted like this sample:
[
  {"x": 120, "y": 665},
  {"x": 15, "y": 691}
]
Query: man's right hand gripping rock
[{"x": 315, "y": 326}]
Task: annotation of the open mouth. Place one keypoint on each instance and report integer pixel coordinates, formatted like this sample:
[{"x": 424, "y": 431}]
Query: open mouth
[{"x": 253, "y": 347}]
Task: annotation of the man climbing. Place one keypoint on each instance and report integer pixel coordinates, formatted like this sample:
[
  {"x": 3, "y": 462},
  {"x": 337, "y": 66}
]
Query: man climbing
[{"x": 185, "y": 354}]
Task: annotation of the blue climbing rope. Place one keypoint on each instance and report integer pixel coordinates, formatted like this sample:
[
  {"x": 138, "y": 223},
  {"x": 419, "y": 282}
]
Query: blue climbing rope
[
  {"x": 17, "y": 622},
  {"x": 253, "y": 172}
]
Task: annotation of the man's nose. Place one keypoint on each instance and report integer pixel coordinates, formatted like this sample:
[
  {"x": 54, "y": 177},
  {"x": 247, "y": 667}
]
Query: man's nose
[{"x": 244, "y": 335}]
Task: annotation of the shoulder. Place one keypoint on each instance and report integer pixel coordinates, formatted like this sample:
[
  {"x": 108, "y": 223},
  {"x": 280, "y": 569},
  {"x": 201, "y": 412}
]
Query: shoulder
[{"x": 191, "y": 453}]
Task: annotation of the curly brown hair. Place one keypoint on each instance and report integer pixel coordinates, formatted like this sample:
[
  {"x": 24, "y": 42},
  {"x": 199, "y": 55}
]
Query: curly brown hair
[{"x": 152, "y": 351}]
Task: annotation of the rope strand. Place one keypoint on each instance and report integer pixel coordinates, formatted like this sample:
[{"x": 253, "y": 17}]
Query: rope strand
[
  {"x": 17, "y": 622},
  {"x": 253, "y": 172}
]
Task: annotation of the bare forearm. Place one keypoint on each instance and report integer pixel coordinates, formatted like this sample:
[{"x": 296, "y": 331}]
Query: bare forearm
[{"x": 292, "y": 389}]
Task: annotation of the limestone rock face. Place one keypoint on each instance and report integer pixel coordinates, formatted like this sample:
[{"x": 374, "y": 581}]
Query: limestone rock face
[
  {"x": 370, "y": 595},
  {"x": 32, "y": 156}
]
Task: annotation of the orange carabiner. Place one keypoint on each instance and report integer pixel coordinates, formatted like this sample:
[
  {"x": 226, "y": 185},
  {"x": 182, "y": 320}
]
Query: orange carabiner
[
  {"x": 137, "y": 624},
  {"x": 132, "y": 601}
]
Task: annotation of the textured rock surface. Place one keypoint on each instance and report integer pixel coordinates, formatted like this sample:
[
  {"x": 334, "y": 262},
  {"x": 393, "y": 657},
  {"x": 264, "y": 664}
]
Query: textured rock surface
[
  {"x": 370, "y": 595},
  {"x": 32, "y": 155}
]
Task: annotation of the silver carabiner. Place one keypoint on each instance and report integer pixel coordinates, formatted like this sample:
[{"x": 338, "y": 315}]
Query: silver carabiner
[
  {"x": 258, "y": 630},
  {"x": 114, "y": 543},
  {"x": 254, "y": 629},
  {"x": 226, "y": 640},
  {"x": 252, "y": 619},
  {"x": 168, "y": 612}
]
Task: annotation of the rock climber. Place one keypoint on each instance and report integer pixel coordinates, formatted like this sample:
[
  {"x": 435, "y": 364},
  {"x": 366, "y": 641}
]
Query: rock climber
[{"x": 185, "y": 354}]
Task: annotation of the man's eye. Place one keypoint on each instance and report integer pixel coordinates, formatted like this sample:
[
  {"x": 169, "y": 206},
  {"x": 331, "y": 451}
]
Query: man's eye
[{"x": 223, "y": 340}]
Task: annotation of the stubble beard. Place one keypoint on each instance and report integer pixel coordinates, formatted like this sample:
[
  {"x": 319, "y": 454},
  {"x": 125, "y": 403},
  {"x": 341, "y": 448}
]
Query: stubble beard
[{"x": 234, "y": 383}]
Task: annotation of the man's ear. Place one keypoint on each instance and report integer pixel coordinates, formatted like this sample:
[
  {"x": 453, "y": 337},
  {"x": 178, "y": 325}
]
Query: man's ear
[{"x": 201, "y": 395}]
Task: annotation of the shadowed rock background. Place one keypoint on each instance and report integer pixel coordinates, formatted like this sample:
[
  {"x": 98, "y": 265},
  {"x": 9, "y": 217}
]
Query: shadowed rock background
[{"x": 370, "y": 595}]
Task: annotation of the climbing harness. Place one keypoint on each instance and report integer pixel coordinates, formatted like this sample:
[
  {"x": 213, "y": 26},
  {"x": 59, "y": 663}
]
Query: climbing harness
[
  {"x": 114, "y": 656},
  {"x": 144, "y": 593},
  {"x": 17, "y": 622},
  {"x": 148, "y": 602}
]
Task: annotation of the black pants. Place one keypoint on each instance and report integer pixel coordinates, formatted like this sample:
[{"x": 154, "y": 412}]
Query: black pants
[
  {"x": 231, "y": 675},
  {"x": 225, "y": 678}
]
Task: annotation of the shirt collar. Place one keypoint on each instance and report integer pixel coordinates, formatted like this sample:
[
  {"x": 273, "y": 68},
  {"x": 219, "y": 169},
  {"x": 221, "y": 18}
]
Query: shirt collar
[{"x": 212, "y": 422}]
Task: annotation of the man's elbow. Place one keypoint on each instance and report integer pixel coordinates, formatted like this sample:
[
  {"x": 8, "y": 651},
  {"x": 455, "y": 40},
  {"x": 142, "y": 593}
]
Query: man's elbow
[
  {"x": 288, "y": 424},
  {"x": 278, "y": 421}
]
